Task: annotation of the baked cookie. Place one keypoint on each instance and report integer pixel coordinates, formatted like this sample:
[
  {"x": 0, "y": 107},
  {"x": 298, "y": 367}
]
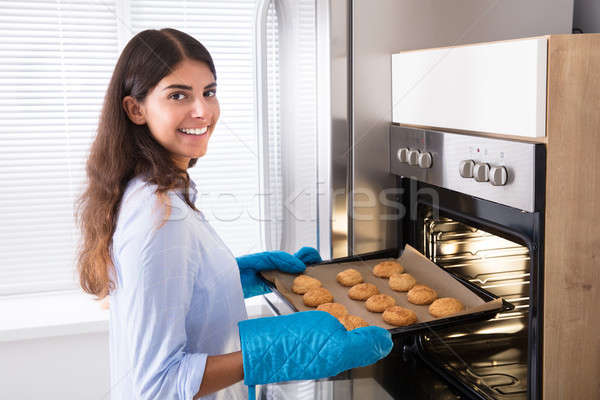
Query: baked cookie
[
  {"x": 402, "y": 282},
  {"x": 352, "y": 322},
  {"x": 385, "y": 268},
  {"x": 317, "y": 296},
  {"x": 336, "y": 309},
  {"x": 362, "y": 291},
  {"x": 445, "y": 306},
  {"x": 399, "y": 316},
  {"x": 379, "y": 302},
  {"x": 421, "y": 294},
  {"x": 303, "y": 283},
  {"x": 349, "y": 277}
]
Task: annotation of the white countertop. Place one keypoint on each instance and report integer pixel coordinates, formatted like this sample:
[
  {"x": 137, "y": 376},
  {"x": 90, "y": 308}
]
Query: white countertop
[{"x": 50, "y": 314}]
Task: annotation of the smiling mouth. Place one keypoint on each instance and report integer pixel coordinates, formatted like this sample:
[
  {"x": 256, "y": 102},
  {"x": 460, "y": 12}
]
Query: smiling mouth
[{"x": 194, "y": 132}]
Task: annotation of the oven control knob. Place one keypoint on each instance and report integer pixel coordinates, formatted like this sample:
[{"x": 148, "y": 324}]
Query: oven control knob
[
  {"x": 413, "y": 157},
  {"x": 498, "y": 176},
  {"x": 425, "y": 160},
  {"x": 481, "y": 172},
  {"x": 403, "y": 155},
  {"x": 466, "y": 168}
]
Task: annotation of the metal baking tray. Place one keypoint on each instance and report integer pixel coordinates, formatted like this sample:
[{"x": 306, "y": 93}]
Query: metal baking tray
[{"x": 419, "y": 327}]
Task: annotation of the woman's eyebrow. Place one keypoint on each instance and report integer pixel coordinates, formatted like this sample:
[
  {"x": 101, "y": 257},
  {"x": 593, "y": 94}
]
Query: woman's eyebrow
[
  {"x": 186, "y": 87},
  {"x": 178, "y": 86}
]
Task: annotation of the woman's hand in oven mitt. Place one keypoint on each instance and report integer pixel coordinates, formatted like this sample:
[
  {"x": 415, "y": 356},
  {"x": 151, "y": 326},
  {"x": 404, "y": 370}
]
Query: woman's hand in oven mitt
[
  {"x": 306, "y": 345},
  {"x": 251, "y": 264}
]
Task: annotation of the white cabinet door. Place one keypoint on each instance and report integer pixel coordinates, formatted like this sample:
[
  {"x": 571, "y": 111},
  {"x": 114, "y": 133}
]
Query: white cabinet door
[{"x": 497, "y": 87}]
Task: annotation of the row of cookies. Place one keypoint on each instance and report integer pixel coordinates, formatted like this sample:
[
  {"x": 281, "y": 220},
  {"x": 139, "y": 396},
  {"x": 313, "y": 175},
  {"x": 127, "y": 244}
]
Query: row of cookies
[
  {"x": 375, "y": 301},
  {"x": 417, "y": 293},
  {"x": 314, "y": 295},
  {"x": 398, "y": 281}
]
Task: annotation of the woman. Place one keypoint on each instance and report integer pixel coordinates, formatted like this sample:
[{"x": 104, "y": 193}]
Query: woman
[{"x": 178, "y": 326}]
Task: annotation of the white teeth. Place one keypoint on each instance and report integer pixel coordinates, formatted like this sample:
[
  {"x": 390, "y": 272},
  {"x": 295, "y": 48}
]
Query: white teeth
[{"x": 194, "y": 131}]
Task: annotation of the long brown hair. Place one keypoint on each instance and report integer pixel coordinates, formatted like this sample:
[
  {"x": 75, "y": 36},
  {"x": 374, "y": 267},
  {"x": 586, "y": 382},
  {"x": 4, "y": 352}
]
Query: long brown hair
[{"x": 122, "y": 149}]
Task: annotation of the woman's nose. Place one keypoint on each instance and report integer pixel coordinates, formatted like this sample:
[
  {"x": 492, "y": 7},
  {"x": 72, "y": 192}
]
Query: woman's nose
[{"x": 200, "y": 109}]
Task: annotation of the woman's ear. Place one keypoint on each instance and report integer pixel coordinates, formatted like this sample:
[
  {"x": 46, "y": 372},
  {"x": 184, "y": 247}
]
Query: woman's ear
[{"x": 133, "y": 110}]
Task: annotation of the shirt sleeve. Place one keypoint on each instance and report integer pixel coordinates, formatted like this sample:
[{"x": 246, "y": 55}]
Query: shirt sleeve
[{"x": 156, "y": 329}]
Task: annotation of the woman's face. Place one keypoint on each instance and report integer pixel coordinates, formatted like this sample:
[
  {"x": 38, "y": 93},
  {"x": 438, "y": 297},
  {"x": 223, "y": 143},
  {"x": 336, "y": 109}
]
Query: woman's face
[{"x": 182, "y": 110}]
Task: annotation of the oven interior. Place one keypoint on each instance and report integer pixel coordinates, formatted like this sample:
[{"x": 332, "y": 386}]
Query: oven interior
[{"x": 490, "y": 357}]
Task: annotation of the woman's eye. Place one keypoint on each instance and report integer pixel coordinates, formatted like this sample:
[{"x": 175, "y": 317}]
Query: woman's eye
[
  {"x": 210, "y": 93},
  {"x": 177, "y": 94}
]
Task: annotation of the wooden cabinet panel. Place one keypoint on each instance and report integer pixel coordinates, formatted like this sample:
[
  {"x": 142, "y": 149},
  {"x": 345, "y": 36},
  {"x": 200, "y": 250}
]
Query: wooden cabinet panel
[{"x": 571, "y": 360}]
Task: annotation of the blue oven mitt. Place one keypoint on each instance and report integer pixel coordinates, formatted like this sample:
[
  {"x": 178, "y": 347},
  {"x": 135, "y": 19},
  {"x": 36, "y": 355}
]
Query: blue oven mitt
[
  {"x": 251, "y": 264},
  {"x": 306, "y": 345}
]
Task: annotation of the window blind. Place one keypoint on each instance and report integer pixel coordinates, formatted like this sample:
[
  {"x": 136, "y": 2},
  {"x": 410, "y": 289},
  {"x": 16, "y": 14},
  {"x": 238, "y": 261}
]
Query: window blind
[
  {"x": 306, "y": 122},
  {"x": 298, "y": 115},
  {"x": 57, "y": 57}
]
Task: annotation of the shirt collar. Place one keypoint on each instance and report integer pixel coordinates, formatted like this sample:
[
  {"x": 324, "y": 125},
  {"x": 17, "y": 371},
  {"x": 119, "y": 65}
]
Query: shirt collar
[{"x": 192, "y": 190}]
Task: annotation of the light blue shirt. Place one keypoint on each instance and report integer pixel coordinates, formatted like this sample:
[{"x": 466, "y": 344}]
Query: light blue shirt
[{"x": 178, "y": 299}]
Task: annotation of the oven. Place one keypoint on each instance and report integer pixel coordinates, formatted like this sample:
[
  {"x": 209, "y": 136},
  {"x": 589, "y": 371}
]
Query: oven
[{"x": 474, "y": 206}]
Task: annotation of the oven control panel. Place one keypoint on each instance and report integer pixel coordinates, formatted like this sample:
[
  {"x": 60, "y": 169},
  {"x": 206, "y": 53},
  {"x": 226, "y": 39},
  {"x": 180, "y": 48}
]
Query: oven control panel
[{"x": 498, "y": 170}]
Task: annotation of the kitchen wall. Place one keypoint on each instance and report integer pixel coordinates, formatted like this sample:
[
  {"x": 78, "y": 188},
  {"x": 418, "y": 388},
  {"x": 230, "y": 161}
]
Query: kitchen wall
[
  {"x": 71, "y": 367},
  {"x": 586, "y": 16}
]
